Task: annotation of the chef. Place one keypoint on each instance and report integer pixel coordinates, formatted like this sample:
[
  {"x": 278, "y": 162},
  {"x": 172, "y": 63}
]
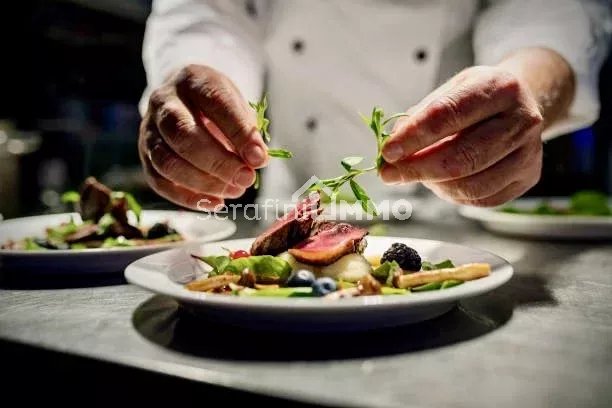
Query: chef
[{"x": 484, "y": 83}]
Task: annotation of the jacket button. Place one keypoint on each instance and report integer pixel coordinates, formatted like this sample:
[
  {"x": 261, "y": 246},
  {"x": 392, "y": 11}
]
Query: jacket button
[
  {"x": 298, "y": 46},
  {"x": 311, "y": 124},
  {"x": 420, "y": 54}
]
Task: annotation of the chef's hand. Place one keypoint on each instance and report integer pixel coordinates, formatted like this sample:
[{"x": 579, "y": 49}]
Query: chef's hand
[
  {"x": 198, "y": 141},
  {"x": 476, "y": 140}
]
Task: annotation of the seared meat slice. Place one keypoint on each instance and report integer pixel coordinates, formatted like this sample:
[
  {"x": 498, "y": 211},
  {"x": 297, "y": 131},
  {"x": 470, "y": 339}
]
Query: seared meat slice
[
  {"x": 127, "y": 231},
  {"x": 292, "y": 228},
  {"x": 121, "y": 226},
  {"x": 95, "y": 198},
  {"x": 119, "y": 211},
  {"x": 87, "y": 232},
  {"x": 330, "y": 242}
]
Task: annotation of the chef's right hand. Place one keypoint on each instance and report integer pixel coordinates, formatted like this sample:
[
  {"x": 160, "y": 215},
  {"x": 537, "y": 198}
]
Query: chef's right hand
[{"x": 198, "y": 141}]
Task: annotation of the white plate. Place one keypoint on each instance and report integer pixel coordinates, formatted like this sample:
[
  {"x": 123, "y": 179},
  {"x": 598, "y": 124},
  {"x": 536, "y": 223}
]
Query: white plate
[
  {"x": 165, "y": 273},
  {"x": 540, "y": 226},
  {"x": 191, "y": 225}
]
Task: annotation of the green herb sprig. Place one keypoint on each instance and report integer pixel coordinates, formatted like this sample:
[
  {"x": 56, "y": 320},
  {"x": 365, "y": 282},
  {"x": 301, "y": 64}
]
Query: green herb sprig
[
  {"x": 263, "y": 123},
  {"x": 377, "y": 123}
]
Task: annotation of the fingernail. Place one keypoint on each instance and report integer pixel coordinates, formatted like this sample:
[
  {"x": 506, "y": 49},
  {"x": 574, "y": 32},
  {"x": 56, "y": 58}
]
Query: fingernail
[
  {"x": 244, "y": 177},
  {"x": 254, "y": 154},
  {"x": 392, "y": 152},
  {"x": 391, "y": 175}
]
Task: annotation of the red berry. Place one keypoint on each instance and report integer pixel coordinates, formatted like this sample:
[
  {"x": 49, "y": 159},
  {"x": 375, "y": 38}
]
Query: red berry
[{"x": 239, "y": 254}]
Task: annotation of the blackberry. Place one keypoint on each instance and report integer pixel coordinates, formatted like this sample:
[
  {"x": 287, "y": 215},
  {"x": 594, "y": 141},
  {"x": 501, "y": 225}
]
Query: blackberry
[
  {"x": 160, "y": 230},
  {"x": 407, "y": 258}
]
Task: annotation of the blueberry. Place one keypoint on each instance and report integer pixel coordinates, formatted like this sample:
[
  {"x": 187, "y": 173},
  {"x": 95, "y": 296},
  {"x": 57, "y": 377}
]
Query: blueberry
[
  {"x": 323, "y": 286},
  {"x": 301, "y": 278}
]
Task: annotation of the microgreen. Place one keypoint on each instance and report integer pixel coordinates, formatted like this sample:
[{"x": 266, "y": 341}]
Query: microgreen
[
  {"x": 262, "y": 125},
  {"x": 377, "y": 123}
]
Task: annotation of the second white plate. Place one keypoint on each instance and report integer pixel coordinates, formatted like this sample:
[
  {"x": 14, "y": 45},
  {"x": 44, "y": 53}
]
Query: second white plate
[
  {"x": 191, "y": 225},
  {"x": 540, "y": 226}
]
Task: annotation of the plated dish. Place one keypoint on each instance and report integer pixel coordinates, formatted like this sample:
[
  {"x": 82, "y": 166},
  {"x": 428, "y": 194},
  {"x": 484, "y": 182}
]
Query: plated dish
[
  {"x": 106, "y": 219},
  {"x": 101, "y": 238},
  {"x": 584, "y": 215},
  {"x": 306, "y": 273}
]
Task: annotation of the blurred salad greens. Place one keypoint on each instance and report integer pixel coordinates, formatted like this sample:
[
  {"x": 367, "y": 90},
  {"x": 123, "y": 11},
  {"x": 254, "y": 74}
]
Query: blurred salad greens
[{"x": 587, "y": 202}]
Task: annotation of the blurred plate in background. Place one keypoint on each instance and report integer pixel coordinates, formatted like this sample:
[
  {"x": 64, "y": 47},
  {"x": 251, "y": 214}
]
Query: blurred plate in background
[
  {"x": 195, "y": 228},
  {"x": 540, "y": 225}
]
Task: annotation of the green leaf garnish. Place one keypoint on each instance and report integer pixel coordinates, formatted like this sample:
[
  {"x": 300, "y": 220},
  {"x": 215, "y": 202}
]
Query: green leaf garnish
[
  {"x": 71, "y": 197},
  {"x": 217, "y": 263},
  {"x": 384, "y": 273},
  {"x": 31, "y": 245},
  {"x": 262, "y": 125},
  {"x": 349, "y": 162},
  {"x": 376, "y": 122},
  {"x": 280, "y": 153},
  {"x": 262, "y": 122}
]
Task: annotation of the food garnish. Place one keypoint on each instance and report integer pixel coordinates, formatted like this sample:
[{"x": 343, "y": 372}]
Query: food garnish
[
  {"x": 377, "y": 123},
  {"x": 263, "y": 123}
]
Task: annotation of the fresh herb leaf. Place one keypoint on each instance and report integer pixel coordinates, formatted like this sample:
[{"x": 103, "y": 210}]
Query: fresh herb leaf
[
  {"x": 349, "y": 162},
  {"x": 376, "y": 122},
  {"x": 384, "y": 273},
  {"x": 31, "y": 245},
  {"x": 217, "y": 263},
  {"x": 262, "y": 122},
  {"x": 71, "y": 197},
  {"x": 280, "y": 153}
]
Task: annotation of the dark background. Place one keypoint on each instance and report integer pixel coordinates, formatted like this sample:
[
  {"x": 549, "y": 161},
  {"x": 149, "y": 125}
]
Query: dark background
[{"x": 71, "y": 79}]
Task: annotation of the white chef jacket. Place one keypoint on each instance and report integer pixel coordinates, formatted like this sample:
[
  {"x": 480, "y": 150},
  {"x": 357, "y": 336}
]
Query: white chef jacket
[{"x": 322, "y": 62}]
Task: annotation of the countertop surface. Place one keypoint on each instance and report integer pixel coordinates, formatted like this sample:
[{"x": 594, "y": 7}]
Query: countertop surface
[{"x": 542, "y": 339}]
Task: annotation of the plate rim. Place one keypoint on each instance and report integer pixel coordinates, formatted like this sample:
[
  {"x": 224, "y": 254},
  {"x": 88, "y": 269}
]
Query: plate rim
[
  {"x": 311, "y": 305},
  {"x": 231, "y": 230}
]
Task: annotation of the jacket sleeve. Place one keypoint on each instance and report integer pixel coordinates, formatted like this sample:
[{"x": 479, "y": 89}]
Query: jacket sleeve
[
  {"x": 577, "y": 30},
  {"x": 224, "y": 34}
]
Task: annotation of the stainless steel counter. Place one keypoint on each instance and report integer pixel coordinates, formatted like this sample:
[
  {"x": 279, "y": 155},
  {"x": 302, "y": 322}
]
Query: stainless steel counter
[{"x": 543, "y": 339}]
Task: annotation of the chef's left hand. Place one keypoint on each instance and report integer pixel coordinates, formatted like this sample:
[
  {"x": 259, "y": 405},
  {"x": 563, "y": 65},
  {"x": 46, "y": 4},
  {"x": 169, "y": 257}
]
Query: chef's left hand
[{"x": 475, "y": 140}]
